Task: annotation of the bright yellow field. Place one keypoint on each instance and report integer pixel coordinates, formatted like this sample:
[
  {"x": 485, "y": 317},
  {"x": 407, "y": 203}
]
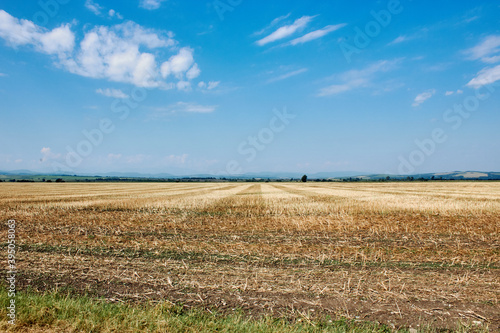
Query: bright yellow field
[{"x": 406, "y": 254}]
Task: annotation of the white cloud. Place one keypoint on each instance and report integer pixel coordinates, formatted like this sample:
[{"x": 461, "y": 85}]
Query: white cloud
[
  {"x": 358, "y": 78},
  {"x": 139, "y": 158},
  {"x": 405, "y": 38},
  {"x": 451, "y": 92},
  {"x": 379, "y": 66},
  {"x": 3, "y": 74},
  {"x": 144, "y": 70},
  {"x": 18, "y": 32},
  {"x": 113, "y": 13},
  {"x": 286, "y": 30},
  {"x": 439, "y": 67},
  {"x": 93, "y": 7},
  {"x": 114, "y": 157},
  {"x": 287, "y": 75},
  {"x": 58, "y": 41},
  {"x": 184, "y": 85},
  {"x": 487, "y": 51},
  {"x": 272, "y": 24},
  {"x": 150, "y": 4},
  {"x": 175, "y": 159},
  {"x": 212, "y": 85},
  {"x": 113, "y": 53},
  {"x": 179, "y": 64},
  {"x": 399, "y": 39},
  {"x": 125, "y": 52},
  {"x": 340, "y": 88},
  {"x": 422, "y": 97},
  {"x": 115, "y": 93},
  {"x": 193, "y": 107},
  {"x": 387, "y": 86},
  {"x": 181, "y": 107},
  {"x": 316, "y": 34},
  {"x": 98, "y": 10},
  {"x": 485, "y": 76},
  {"x": 47, "y": 155},
  {"x": 193, "y": 72},
  {"x": 208, "y": 86}
]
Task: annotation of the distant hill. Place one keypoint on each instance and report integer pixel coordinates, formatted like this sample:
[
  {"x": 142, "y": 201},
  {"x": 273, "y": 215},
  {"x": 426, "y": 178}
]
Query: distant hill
[
  {"x": 457, "y": 175},
  {"x": 348, "y": 175}
]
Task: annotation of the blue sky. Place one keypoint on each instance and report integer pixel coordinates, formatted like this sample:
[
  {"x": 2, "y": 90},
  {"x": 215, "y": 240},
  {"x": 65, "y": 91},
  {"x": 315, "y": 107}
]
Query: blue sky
[{"x": 229, "y": 86}]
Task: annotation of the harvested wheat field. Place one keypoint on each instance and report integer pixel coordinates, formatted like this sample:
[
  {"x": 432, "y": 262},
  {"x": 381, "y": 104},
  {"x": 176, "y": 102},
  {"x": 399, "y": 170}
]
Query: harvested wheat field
[{"x": 421, "y": 255}]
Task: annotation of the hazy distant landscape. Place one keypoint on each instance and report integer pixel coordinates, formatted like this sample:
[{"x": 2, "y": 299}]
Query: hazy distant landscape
[{"x": 26, "y": 175}]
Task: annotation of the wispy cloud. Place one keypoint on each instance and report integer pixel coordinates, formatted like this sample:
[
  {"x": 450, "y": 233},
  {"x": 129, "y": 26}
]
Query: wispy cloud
[
  {"x": 208, "y": 86},
  {"x": 93, "y": 7},
  {"x": 115, "y": 93},
  {"x": 137, "y": 159},
  {"x": 316, "y": 34},
  {"x": 470, "y": 19},
  {"x": 113, "y": 157},
  {"x": 47, "y": 155},
  {"x": 399, "y": 39},
  {"x": 485, "y": 76},
  {"x": 422, "y": 97},
  {"x": 358, "y": 78},
  {"x": 3, "y": 74},
  {"x": 150, "y": 4},
  {"x": 420, "y": 33},
  {"x": 487, "y": 51},
  {"x": 271, "y": 25},
  {"x": 113, "y": 13},
  {"x": 451, "y": 92},
  {"x": 439, "y": 67},
  {"x": 417, "y": 33},
  {"x": 193, "y": 107},
  {"x": 340, "y": 88},
  {"x": 471, "y": 15},
  {"x": 175, "y": 159},
  {"x": 181, "y": 107},
  {"x": 285, "y": 31},
  {"x": 98, "y": 10},
  {"x": 287, "y": 75}
]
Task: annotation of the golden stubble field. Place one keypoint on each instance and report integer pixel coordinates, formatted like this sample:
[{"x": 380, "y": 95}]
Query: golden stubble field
[{"x": 404, "y": 254}]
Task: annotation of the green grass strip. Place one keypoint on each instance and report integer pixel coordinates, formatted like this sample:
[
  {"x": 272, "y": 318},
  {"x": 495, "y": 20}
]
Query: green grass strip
[{"x": 63, "y": 313}]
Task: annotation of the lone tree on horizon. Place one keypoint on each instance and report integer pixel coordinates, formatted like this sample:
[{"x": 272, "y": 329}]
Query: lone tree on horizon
[{"x": 304, "y": 178}]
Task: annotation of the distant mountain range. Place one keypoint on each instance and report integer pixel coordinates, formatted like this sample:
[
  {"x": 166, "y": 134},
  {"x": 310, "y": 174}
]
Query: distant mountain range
[
  {"x": 28, "y": 174},
  {"x": 459, "y": 175}
]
